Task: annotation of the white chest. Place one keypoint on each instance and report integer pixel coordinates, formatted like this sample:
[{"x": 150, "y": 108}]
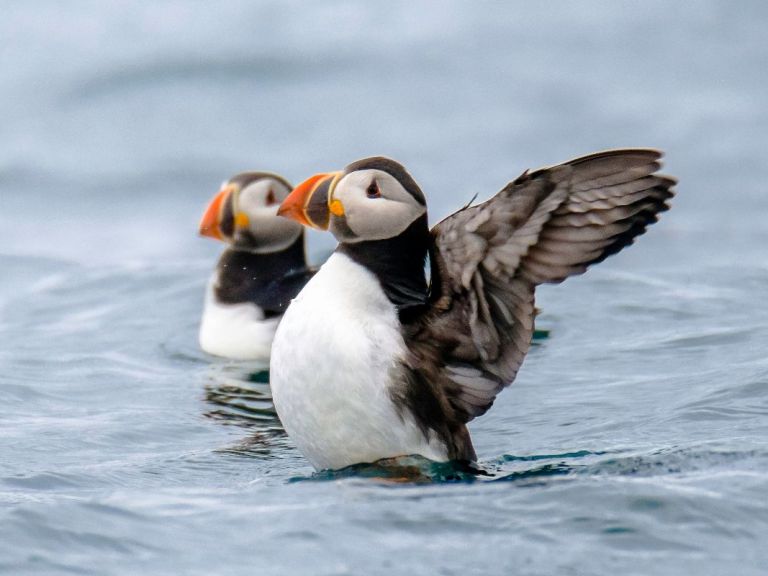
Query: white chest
[
  {"x": 331, "y": 371},
  {"x": 237, "y": 331}
]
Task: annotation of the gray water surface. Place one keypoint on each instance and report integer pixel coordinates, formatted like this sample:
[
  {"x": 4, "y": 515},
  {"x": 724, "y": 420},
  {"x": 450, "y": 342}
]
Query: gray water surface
[{"x": 634, "y": 440}]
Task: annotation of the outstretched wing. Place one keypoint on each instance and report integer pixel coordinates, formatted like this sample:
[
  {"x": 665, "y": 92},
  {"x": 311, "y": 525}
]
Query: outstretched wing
[{"x": 487, "y": 259}]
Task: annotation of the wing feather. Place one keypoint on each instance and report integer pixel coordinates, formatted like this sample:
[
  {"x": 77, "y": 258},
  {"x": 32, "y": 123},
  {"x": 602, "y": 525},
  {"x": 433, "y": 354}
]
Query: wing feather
[{"x": 487, "y": 260}]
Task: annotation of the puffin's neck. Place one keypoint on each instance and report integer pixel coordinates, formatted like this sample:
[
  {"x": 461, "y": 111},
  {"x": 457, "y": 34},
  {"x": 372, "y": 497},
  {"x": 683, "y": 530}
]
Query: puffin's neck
[
  {"x": 398, "y": 263},
  {"x": 246, "y": 276}
]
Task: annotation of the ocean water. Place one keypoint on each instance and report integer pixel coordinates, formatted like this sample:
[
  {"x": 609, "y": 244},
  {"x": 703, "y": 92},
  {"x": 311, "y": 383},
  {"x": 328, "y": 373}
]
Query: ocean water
[{"x": 635, "y": 439}]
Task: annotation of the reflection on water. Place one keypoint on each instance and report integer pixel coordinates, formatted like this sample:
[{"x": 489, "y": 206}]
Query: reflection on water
[
  {"x": 420, "y": 470},
  {"x": 238, "y": 395},
  {"x": 535, "y": 469},
  {"x": 402, "y": 470}
]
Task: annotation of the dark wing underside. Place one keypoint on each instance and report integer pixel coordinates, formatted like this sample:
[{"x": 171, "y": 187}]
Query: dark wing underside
[{"x": 487, "y": 260}]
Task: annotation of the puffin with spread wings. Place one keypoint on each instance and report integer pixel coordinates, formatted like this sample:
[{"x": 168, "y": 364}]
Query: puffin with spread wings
[{"x": 372, "y": 361}]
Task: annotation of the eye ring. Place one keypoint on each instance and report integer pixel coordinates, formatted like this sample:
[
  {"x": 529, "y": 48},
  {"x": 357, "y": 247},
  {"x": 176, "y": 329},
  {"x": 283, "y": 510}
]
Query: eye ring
[{"x": 373, "y": 190}]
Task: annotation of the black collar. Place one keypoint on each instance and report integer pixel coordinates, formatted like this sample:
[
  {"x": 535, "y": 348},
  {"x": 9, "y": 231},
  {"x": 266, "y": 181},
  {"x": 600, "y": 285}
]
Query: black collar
[
  {"x": 269, "y": 280},
  {"x": 398, "y": 263}
]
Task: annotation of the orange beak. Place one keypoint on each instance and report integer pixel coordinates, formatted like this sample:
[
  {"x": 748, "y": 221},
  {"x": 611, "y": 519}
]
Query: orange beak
[
  {"x": 210, "y": 224},
  {"x": 308, "y": 202}
]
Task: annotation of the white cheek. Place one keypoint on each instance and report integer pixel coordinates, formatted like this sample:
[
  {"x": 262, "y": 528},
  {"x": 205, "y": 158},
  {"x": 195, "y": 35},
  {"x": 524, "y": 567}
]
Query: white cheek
[
  {"x": 258, "y": 216},
  {"x": 253, "y": 199},
  {"x": 380, "y": 218}
]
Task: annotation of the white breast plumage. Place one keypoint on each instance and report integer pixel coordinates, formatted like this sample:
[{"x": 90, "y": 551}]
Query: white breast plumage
[
  {"x": 332, "y": 362},
  {"x": 235, "y": 330}
]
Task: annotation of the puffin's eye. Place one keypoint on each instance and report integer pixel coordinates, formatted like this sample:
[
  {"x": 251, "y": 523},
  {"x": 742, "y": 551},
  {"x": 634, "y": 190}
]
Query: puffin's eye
[
  {"x": 271, "y": 198},
  {"x": 373, "y": 190}
]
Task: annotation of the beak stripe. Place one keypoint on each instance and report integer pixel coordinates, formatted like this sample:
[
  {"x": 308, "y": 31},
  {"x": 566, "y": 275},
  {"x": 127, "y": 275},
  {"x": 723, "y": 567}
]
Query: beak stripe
[
  {"x": 308, "y": 202},
  {"x": 227, "y": 217}
]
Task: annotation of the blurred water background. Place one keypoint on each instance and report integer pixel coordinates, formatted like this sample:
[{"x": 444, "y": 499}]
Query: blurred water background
[{"x": 635, "y": 438}]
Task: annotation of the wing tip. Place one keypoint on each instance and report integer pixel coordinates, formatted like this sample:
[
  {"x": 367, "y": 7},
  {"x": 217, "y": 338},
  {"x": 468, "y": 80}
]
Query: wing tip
[{"x": 650, "y": 153}]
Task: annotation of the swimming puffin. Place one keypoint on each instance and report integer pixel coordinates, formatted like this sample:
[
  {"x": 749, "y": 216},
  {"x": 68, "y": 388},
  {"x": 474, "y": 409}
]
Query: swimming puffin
[
  {"x": 258, "y": 274},
  {"x": 371, "y": 361}
]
